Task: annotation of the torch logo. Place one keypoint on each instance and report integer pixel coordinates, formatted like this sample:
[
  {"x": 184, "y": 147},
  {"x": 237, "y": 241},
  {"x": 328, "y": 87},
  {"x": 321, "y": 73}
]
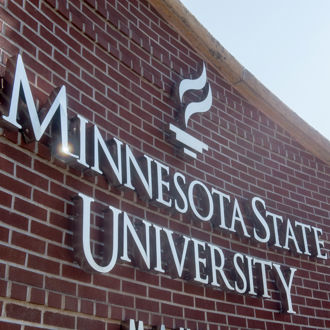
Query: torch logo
[{"x": 190, "y": 144}]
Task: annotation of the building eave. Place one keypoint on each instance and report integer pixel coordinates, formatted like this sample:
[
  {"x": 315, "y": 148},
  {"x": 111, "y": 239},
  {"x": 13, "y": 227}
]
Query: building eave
[{"x": 244, "y": 82}]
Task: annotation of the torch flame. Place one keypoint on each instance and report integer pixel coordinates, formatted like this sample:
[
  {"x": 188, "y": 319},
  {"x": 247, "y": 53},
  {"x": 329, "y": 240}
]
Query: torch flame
[{"x": 196, "y": 84}]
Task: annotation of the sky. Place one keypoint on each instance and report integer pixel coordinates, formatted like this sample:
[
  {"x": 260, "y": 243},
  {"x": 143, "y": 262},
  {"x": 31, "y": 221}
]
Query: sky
[{"x": 285, "y": 44}]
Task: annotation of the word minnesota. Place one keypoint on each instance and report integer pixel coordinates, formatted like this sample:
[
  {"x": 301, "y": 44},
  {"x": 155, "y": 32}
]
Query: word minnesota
[{"x": 82, "y": 144}]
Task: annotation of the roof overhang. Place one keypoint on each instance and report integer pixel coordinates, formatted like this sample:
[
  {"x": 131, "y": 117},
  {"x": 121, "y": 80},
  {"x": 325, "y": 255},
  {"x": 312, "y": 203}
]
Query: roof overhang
[{"x": 245, "y": 82}]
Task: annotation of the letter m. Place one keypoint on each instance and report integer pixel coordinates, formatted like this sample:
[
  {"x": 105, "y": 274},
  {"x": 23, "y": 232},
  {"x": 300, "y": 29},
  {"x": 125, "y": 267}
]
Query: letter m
[
  {"x": 133, "y": 327},
  {"x": 21, "y": 83}
]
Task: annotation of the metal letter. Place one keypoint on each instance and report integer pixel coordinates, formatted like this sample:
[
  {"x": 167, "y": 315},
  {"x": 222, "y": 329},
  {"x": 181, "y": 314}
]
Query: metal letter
[
  {"x": 115, "y": 175},
  {"x": 240, "y": 273},
  {"x": 162, "y": 183},
  {"x": 290, "y": 235},
  {"x": 144, "y": 252},
  {"x": 87, "y": 253},
  {"x": 263, "y": 265},
  {"x": 319, "y": 243},
  {"x": 285, "y": 288},
  {"x": 237, "y": 216},
  {"x": 199, "y": 260},
  {"x": 60, "y": 103},
  {"x": 219, "y": 268},
  {"x": 179, "y": 264},
  {"x": 146, "y": 183},
  {"x": 179, "y": 190},
  {"x": 192, "y": 201},
  {"x": 261, "y": 219},
  {"x": 221, "y": 206}
]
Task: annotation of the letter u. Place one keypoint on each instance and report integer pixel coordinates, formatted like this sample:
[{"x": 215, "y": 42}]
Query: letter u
[{"x": 84, "y": 248}]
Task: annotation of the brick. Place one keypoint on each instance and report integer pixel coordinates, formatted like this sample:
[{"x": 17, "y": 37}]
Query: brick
[
  {"x": 71, "y": 304},
  {"x": 120, "y": 299},
  {"x": 43, "y": 265},
  {"x": 26, "y": 277},
  {"x": 3, "y": 288},
  {"x": 4, "y": 235},
  {"x": 6, "y": 165},
  {"x": 75, "y": 273},
  {"x": 256, "y": 324},
  {"x": 225, "y": 308},
  {"x": 47, "y": 232},
  {"x": 316, "y": 322},
  {"x": 2, "y": 270},
  {"x": 87, "y": 324},
  {"x": 101, "y": 310},
  {"x": 321, "y": 294},
  {"x": 108, "y": 282},
  {"x": 12, "y": 255},
  {"x": 61, "y": 191},
  {"x": 51, "y": 64},
  {"x": 263, "y": 314},
  {"x": 35, "y": 38},
  {"x": 48, "y": 200},
  {"x": 134, "y": 288},
  {"x": 59, "y": 320},
  {"x": 77, "y": 82},
  {"x": 91, "y": 293},
  {"x": 9, "y": 326},
  {"x": 299, "y": 319},
  {"x": 194, "y": 314},
  {"x": 120, "y": 62},
  {"x": 15, "y": 186},
  {"x": 86, "y": 307},
  {"x": 97, "y": 85},
  {"x": 273, "y": 325},
  {"x": 205, "y": 304},
  {"x": 40, "y": 17},
  {"x": 146, "y": 304},
  {"x": 13, "y": 219},
  {"x": 130, "y": 314},
  {"x": 20, "y": 40},
  {"x": 60, "y": 253},
  {"x": 31, "y": 209},
  {"x": 216, "y": 318},
  {"x": 48, "y": 171},
  {"x": 55, "y": 42},
  {"x": 10, "y": 19},
  {"x": 237, "y": 321},
  {"x": 31, "y": 178},
  {"x": 116, "y": 313},
  {"x": 18, "y": 291},
  {"x": 54, "y": 300},
  {"x": 37, "y": 296},
  {"x": 171, "y": 310},
  {"x": 160, "y": 294},
  {"x": 23, "y": 313},
  {"x": 123, "y": 271},
  {"x": 80, "y": 186},
  {"x": 182, "y": 299},
  {"x": 247, "y": 311},
  {"x": 193, "y": 289}
]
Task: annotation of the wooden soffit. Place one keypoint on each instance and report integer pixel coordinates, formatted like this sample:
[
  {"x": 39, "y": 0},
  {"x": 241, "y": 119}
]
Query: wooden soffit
[{"x": 244, "y": 81}]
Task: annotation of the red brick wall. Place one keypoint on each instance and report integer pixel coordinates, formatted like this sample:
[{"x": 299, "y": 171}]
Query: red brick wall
[{"x": 120, "y": 63}]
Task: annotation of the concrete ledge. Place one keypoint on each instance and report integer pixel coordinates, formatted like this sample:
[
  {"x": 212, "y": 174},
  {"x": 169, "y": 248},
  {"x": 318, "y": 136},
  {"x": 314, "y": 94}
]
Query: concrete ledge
[{"x": 244, "y": 81}]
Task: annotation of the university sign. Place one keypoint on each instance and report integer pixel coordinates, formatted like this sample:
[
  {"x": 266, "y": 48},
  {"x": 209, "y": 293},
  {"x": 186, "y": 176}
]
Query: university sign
[
  {"x": 190, "y": 144},
  {"x": 144, "y": 243}
]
